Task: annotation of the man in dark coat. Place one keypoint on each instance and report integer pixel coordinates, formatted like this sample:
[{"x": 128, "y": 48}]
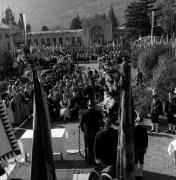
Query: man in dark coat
[
  {"x": 90, "y": 124},
  {"x": 73, "y": 107},
  {"x": 47, "y": 85},
  {"x": 155, "y": 111},
  {"x": 140, "y": 146},
  {"x": 170, "y": 111},
  {"x": 105, "y": 147},
  {"x": 139, "y": 78}
]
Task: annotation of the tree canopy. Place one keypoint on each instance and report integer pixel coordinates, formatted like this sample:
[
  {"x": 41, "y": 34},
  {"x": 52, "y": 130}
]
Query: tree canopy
[
  {"x": 45, "y": 28},
  {"x": 137, "y": 16},
  {"x": 76, "y": 23},
  {"x": 167, "y": 19},
  {"x": 9, "y": 17}
]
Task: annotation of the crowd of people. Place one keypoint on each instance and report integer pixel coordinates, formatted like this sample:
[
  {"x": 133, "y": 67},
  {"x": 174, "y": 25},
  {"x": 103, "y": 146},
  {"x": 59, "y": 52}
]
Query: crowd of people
[
  {"x": 18, "y": 102},
  {"x": 93, "y": 96}
]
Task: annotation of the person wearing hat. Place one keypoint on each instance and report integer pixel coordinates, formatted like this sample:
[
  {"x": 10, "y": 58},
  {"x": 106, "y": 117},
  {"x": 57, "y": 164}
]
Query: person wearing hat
[
  {"x": 169, "y": 111},
  {"x": 90, "y": 123},
  {"x": 155, "y": 110},
  {"x": 106, "y": 149},
  {"x": 140, "y": 146}
]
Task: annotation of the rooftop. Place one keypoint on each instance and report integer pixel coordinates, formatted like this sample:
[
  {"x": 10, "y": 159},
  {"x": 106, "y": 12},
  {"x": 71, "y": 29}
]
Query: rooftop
[
  {"x": 4, "y": 26},
  {"x": 56, "y": 32}
]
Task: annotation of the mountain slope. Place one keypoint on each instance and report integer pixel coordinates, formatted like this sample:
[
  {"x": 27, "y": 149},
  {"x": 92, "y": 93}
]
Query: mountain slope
[{"x": 60, "y": 12}]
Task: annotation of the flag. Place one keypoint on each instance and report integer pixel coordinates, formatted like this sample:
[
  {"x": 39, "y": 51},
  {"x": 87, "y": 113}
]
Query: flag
[
  {"x": 23, "y": 20},
  {"x": 8, "y": 143},
  {"x": 125, "y": 149},
  {"x": 42, "y": 166}
]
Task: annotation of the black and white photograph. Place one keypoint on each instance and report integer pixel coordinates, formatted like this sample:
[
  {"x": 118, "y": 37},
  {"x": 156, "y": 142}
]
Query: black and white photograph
[{"x": 87, "y": 89}]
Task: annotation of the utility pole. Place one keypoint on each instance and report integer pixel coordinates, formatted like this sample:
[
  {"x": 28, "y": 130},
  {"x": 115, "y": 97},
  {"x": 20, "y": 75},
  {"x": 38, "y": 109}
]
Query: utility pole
[{"x": 152, "y": 26}]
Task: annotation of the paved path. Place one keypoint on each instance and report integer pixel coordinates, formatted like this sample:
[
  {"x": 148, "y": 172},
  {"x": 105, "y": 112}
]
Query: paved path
[{"x": 158, "y": 165}]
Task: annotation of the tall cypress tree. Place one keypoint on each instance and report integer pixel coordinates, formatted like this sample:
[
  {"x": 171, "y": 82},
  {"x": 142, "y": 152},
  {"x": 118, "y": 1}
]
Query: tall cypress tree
[
  {"x": 9, "y": 17},
  {"x": 76, "y": 23},
  {"x": 28, "y": 28},
  {"x": 20, "y": 24},
  {"x": 112, "y": 16}
]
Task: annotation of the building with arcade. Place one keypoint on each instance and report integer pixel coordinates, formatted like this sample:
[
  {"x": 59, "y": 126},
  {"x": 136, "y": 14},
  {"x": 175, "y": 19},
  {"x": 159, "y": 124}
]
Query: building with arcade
[{"x": 94, "y": 30}]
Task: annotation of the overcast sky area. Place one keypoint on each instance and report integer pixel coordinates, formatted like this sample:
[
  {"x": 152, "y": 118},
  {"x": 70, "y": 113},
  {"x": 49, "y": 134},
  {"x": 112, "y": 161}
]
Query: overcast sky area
[{"x": 60, "y": 12}]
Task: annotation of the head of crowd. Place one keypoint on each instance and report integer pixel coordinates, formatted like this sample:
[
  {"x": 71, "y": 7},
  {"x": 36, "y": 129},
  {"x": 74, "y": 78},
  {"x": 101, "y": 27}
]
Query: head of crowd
[{"x": 68, "y": 89}]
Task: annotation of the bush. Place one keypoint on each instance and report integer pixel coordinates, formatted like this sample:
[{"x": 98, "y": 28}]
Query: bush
[
  {"x": 134, "y": 57},
  {"x": 148, "y": 60},
  {"x": 142, "y": 100},
  {"x": 164, "y": 77}
]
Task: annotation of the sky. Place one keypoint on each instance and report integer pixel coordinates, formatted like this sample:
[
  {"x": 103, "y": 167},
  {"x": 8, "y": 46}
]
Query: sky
[
  {"x": 38, "y": 11},
  {"x": 60, "y": 12}
]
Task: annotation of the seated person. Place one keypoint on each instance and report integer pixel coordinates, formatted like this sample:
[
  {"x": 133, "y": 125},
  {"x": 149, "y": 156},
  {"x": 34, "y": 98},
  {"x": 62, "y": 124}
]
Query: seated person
[{"x": 106, "y": 149}]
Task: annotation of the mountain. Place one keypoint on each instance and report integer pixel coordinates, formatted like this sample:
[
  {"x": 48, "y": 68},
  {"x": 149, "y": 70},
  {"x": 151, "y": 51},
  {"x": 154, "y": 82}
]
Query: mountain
[{"x": 60, "y": 12}]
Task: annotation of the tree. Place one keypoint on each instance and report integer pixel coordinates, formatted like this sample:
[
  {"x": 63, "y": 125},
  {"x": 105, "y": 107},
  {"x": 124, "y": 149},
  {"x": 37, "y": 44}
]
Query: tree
[
  {"x": 28, "y": 28},
  {"x": 148, "y": 59},
  {"x": 45, "y": 28},
  {"x": 6, "y": 63},
  {"x": 167, "y": 18},
  {"x": 104, "y": 15},
  {"x": 9, "y": 17},
  {"x": 137, "y": 16},
  {"x": 75, "y": 23},
  {"x": 164, "y": 78},
  {"x": 20, "y": 24},
  {"x": 115, "y": 22}
]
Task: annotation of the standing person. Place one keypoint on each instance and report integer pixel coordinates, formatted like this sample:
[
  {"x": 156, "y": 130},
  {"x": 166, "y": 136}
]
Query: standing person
[
  {"x": 16, "y": 108},
  {"x": 106, "y": 149},
  {"x": 169, "y": 111},
  {"x": 139, "y": 78},
  {"x": 140, "y": 146},
  {"x": 174, "y": 109},
  {"x": 7, "y": 105},
  {"x": 90, "y": 124},
  {"x": 155, "y": 111}
]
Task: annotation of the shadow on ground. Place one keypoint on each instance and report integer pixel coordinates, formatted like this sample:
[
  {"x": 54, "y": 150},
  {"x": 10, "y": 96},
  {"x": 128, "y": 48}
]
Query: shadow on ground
[
  {"x": 72, "y": 164},
  {"x": 156, "y": 176},
  {"x": 160, "y": 135},
  {"x": 29, "y": 125}
]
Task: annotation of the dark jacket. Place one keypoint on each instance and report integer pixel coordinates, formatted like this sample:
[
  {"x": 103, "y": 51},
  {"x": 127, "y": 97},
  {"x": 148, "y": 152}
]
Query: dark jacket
[
  {"x": 156, "y": 109},
  {"x": 169, "y": 109},
  {"x": 91, "y": 120},
  {"x": 106, "y": 146},
  {"x": 140, "y": 138}
]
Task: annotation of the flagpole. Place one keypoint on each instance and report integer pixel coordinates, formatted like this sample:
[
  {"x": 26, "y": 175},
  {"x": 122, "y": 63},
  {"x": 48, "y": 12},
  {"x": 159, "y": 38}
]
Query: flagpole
[
  {"x": 125, "y": 153},
  {"x": 152, "y": 26},
  {"x": 25, "y": 39}
]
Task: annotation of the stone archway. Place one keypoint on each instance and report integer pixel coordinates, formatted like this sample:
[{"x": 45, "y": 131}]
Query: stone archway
[{"x": 97, "y": 34}]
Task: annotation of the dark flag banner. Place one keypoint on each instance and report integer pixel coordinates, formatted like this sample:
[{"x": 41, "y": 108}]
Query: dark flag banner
[
  {"x": 23, "y": 20},
  {"x": 42, "y": 166},
  {"x": 125, "y": 151},
  {"x": 8, "y": 143}
]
